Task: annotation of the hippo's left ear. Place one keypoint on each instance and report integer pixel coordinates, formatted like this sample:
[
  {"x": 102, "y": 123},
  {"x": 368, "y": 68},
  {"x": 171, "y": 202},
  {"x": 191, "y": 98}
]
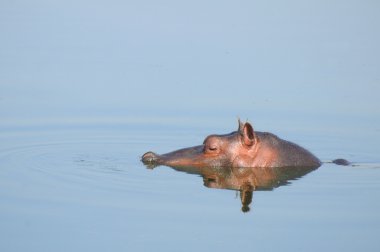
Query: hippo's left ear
[{"x": 247, "y": 133}]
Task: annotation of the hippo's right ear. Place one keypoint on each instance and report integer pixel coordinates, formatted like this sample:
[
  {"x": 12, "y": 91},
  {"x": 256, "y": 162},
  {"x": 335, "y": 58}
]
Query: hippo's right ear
[{"x": 247, "y": 134}]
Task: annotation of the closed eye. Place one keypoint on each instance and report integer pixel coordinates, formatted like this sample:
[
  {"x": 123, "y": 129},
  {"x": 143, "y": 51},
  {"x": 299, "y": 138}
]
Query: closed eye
[
  {"x": 211, "y": 145},
  {"x": 211, "y": 149}
]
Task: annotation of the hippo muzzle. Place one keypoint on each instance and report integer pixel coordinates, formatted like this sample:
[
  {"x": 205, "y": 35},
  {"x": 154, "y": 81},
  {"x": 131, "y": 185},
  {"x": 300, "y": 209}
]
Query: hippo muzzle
[{"x": 192, "y": 156}]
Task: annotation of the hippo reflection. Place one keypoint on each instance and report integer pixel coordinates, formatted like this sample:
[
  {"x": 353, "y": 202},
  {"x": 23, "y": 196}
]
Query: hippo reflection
[{"x": 246, "y": 180}]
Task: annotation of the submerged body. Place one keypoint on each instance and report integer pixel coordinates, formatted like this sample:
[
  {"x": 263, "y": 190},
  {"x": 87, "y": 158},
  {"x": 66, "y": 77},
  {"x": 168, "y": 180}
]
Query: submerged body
[{"x": 241, "y": 148}]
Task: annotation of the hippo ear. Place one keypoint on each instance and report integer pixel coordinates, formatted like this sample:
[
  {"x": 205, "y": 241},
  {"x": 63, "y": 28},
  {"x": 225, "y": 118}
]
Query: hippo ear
[
  {"x": 247, "y": 134},
  {"x": 241, "y": 126}
]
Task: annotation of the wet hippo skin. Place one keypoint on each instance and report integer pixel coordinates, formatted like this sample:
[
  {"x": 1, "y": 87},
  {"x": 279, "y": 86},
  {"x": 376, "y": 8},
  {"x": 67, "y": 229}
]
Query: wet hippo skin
[{"x": 242, "y": 148}]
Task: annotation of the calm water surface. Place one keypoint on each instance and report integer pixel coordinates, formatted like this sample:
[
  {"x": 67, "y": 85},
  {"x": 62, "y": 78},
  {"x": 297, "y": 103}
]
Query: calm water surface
[
  {"x": 83, "y": 188},
  {"x": 87, "y": 87}
]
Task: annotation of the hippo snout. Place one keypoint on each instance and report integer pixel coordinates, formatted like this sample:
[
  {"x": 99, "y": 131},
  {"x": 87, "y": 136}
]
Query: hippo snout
[{"x": 149, "y": 157}]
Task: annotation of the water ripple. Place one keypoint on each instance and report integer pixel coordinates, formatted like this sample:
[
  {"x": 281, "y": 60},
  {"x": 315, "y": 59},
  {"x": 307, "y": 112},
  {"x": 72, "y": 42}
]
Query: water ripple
[{"x": 95, "y": 163}]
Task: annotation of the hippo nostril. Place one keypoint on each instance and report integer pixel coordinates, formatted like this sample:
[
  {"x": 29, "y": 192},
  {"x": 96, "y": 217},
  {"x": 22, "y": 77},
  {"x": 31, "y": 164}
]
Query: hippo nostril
[{"x": 149, "y": 157}]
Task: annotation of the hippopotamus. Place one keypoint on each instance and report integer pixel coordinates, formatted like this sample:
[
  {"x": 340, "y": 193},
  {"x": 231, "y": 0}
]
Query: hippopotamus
[{"x": 242, "y": 148}]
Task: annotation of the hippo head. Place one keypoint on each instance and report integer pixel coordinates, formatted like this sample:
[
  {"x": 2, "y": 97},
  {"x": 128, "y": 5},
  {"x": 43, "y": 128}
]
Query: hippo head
[{"x": 232, "y": 149}]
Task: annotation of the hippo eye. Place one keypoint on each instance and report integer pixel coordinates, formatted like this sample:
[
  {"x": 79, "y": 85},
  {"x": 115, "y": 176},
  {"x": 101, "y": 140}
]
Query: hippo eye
[
  {"x": 212, "y": 148},
  {"x": 211, "y": 145}
]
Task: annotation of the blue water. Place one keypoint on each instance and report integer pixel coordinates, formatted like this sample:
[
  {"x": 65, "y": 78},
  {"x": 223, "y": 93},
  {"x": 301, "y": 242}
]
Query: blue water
[{"x": 87, "y": 87}]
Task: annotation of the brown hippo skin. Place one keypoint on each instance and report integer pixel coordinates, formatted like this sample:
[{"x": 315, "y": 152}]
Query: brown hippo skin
[{"x": 242, "y": 148}]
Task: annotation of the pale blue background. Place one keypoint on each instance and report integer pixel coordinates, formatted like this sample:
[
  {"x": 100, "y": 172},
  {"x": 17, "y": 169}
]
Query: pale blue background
[{"x": 76, "y": 57}]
